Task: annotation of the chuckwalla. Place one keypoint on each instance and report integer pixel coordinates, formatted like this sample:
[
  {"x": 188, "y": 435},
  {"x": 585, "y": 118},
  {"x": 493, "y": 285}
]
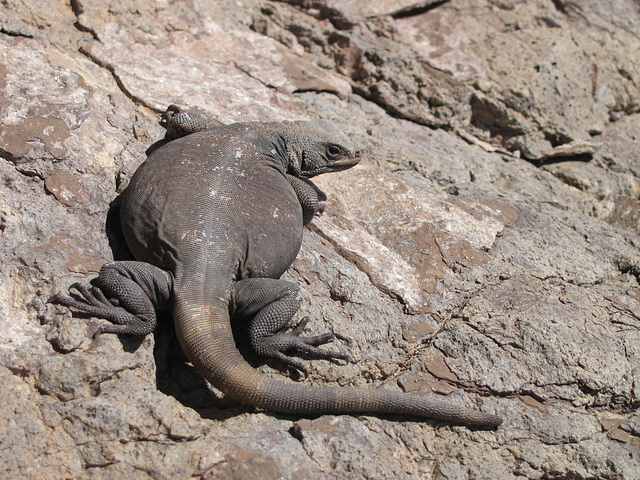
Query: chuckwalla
[{"x": 214, "y": 218}]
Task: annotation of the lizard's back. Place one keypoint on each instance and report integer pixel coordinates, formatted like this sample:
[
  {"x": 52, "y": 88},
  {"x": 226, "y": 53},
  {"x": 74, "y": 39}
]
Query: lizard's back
[{"x": 214, "y": 204}]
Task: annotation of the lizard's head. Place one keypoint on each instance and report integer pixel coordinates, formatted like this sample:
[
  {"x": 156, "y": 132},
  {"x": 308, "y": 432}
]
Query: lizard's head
[{"x": 319, "y": 146}]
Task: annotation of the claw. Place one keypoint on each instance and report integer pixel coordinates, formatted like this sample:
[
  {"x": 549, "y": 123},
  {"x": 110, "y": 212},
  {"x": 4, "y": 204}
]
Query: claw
[
  {"x": 275, "y": 346},
  {"x": 57, "y": 299},
  {"x": 291, "y": 363},
  {"x": 316, "y": 340},
  {"x": 90, "y": 295},
  {"x": 298, "y": 329},
  {"x": 319, "y": 339},
  {"x": 97, "y": 333}
]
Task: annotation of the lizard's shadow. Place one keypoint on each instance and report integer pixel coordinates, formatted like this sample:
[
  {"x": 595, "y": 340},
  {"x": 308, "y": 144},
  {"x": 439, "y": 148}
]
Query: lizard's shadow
[{"x": 174, "y": 375}]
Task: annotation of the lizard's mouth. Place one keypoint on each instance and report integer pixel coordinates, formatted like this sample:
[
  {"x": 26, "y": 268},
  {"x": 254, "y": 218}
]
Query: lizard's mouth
[
  {"x": 342, "y": 164},
  {"x": 345, "y": 163}
]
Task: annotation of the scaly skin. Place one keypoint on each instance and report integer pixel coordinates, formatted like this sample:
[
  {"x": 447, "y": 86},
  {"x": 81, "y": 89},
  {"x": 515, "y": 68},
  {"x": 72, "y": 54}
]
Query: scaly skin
[{"x": 214, "y": 218}]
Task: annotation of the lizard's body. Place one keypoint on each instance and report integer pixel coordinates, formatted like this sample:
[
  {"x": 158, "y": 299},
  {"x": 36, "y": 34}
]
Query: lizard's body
[{"x": 215, "y": 218}]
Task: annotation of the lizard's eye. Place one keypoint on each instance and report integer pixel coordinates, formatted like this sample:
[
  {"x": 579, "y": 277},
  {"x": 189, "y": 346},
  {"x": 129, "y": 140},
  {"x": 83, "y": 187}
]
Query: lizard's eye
[{"x": 333, "y": 152}]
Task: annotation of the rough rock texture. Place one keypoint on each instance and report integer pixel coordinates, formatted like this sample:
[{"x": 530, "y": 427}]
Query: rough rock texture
[{"x": 486, "y": 249}]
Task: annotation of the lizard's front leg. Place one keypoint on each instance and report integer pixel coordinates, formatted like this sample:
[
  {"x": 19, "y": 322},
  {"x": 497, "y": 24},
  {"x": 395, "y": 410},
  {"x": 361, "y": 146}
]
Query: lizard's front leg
[
  {"x": 125, "y": 293},
  {"x": 311, "y": 197},
  {"x": 272, "y": 303}
]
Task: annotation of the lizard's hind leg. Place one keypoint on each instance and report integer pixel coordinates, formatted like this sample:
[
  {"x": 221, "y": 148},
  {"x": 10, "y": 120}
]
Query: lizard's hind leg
[{"x": 272, "y": 304}]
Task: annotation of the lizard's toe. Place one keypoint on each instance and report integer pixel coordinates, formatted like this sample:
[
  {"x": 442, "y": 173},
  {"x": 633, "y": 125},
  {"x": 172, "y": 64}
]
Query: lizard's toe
[
  {"x": 83, "y": 298},
  {"x": 90, "y": 299},
  {"x": 280, "y": 344}
]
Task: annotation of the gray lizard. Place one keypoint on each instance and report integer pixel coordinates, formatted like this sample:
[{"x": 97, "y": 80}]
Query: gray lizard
[{"x": 214, "y": 218}]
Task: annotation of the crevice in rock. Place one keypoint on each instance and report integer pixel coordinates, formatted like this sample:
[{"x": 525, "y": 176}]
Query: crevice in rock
[
  {"x": 556, "y": 139},
  {"x": 14, "y": 33},
  {"x": 8, "y": 157},
  {"x": 92, "y": 464},
  {"x": 392, "y": 111},
  {"x": 238, "y": 67},
  {"x": 418, "y": 8},
  {"x": 556, "y": 280},
  {"x": 326, "y": 12},
  {"x": 77, "y": 9},
  {"x": 580, "y": 157},
  {"x": 490, "y": 115},
  {"x": 560, "y": 6},
  {"x": 314, "y": 90},
  {"x": 111, "y": 69},
  {"x": 625, "y": 266},
  {"x": 472, "y": 386},
  {"x": 20, "y": 168}
]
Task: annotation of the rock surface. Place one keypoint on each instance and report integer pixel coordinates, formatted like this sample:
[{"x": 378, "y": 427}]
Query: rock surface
[{"x": 486, "y": 249}]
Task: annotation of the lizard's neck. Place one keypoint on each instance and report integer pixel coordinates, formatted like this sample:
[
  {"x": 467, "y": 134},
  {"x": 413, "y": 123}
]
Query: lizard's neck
[{"x": 282, "y": 136}]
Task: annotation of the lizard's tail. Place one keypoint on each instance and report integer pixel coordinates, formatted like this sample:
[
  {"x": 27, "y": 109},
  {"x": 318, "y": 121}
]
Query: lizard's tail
[{"x": 205, "y": 335}]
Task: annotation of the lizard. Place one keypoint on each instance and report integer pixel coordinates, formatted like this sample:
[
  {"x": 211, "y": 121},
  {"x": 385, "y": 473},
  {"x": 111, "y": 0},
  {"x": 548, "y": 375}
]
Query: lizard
[{"x": 214, "y": 218}]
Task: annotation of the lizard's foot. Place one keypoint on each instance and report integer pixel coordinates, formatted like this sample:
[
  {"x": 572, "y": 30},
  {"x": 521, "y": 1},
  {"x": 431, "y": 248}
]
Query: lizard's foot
[
  {"x": 277, "y": 344},
  {"x": 86, "y": 299},
  {"x": 93, "y": 301}
]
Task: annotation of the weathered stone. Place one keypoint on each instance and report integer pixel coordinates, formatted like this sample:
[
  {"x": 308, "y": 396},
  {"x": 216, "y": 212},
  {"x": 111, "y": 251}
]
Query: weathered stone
[{"x": 445, "y": 264}]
